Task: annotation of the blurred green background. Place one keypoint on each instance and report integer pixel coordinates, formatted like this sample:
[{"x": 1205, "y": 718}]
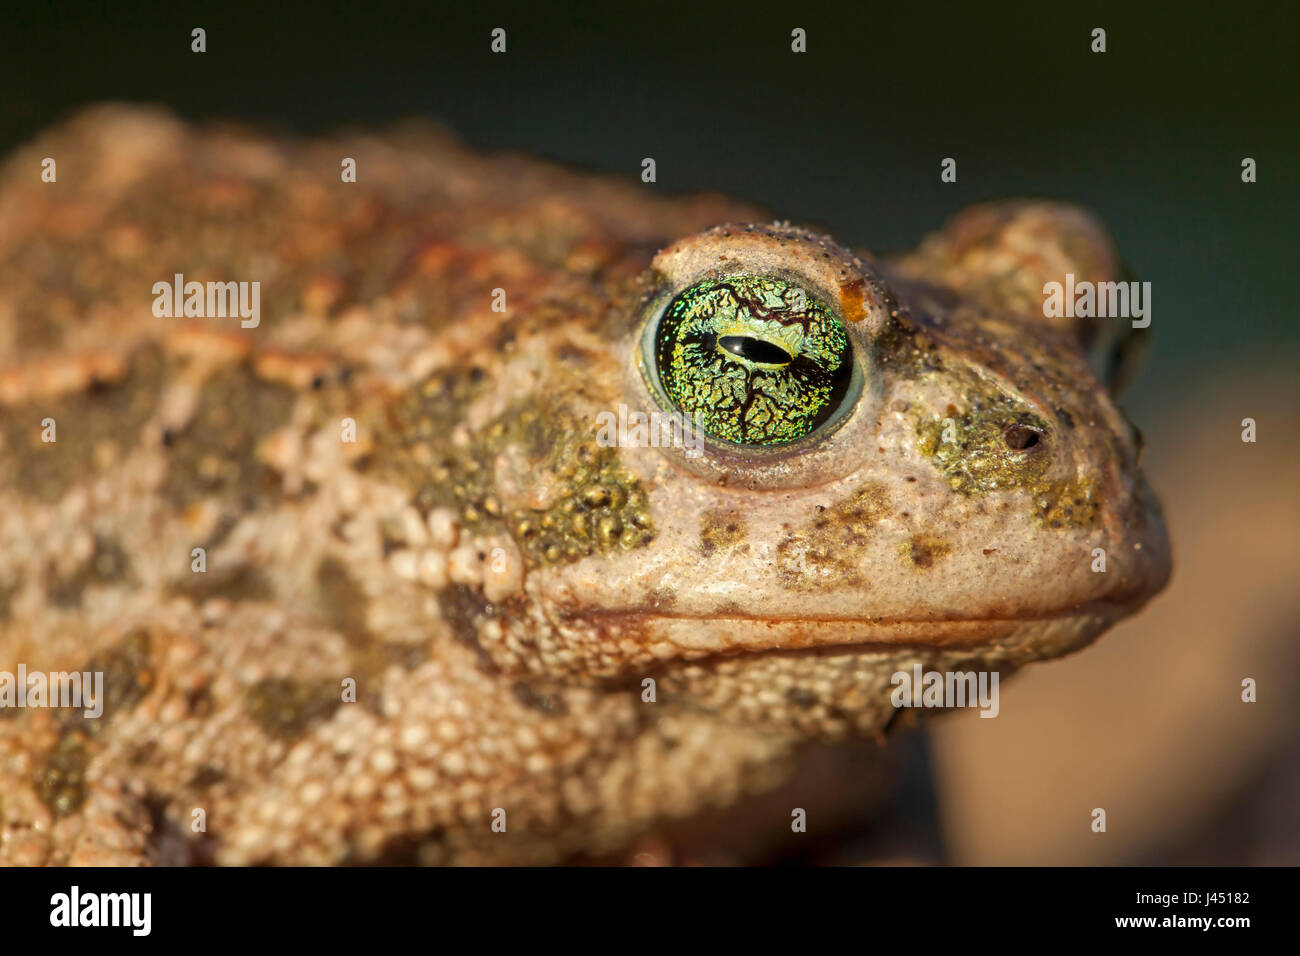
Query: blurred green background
[{"x": 849, "y": 136}]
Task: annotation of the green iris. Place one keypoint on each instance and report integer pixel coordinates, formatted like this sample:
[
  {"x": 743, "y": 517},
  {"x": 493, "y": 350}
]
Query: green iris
[{"x": 753, "y": 360}]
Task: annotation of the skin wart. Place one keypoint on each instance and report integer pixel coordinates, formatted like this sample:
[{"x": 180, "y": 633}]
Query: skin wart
[{"x": 430, "y": 594}]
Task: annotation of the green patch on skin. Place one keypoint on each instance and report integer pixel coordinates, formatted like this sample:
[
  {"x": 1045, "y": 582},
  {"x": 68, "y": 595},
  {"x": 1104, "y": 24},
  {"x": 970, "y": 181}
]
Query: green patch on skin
[
  {"x": 600, "y": 507},
  {"x": 721, "y": 531},
  {"x": 922, "y": 551},
  {"x": 215, "y": 455},
  {"x": 129, "y": 677},
  {"x": 1066, "y": 504},
  {"x": 976, "y": 454},
  {"x": 414, "y": 440},
  {"x": 93, "y": 428},
  {"x": 996, "y": 444},
  {"x": 831, "y": 550},
  {"x": 286, "y": 708},
  {"x": 60, "y": 775}
]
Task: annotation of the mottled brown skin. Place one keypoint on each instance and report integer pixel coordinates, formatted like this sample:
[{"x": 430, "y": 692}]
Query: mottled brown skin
[{"x": 497, "y": 584}]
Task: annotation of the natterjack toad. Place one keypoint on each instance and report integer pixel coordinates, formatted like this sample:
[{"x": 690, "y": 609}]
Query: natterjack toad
[{"x": 370, "y": 574}]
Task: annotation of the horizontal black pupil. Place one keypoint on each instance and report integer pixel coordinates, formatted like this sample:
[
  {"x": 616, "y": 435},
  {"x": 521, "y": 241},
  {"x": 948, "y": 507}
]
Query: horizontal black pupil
[{"x": 755, "y": 350}]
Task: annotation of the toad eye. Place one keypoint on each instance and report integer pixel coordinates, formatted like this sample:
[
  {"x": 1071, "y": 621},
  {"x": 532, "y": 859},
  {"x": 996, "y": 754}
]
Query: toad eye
[{"x": 752, "y": 359}]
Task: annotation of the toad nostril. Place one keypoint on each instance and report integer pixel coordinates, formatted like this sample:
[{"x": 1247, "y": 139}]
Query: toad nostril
[{"x": 1021, "y": 437}]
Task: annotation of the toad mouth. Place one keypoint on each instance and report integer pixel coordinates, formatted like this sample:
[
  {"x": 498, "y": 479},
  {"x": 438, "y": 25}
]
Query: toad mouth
[{"x": 713, "y": 633}]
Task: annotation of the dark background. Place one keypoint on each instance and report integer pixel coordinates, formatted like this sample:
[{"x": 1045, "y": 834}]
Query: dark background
[{"x": 849, "y": 136}]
